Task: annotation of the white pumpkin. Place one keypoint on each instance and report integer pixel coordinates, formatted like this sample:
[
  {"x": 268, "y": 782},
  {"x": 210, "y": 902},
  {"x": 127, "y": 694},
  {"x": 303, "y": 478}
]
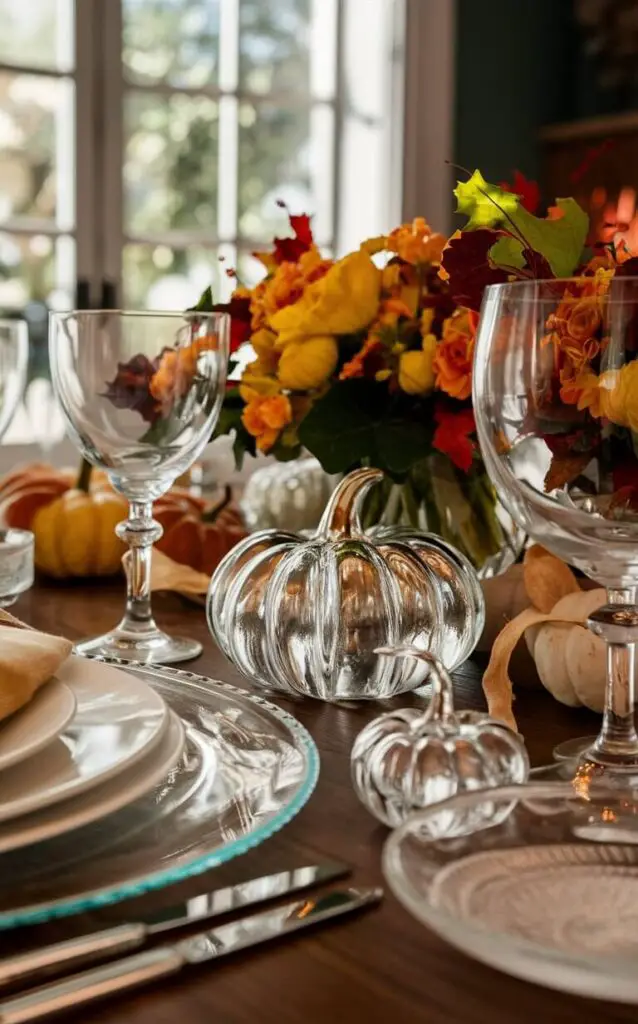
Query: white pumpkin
[{"x": 570, "y": 660}]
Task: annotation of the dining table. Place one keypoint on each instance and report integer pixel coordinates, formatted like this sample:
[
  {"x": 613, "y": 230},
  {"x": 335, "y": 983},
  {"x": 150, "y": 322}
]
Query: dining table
[{"x": 379, "y": 967}]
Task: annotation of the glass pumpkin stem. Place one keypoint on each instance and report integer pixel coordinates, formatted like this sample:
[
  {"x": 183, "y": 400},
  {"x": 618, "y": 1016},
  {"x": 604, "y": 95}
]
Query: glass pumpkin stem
[
  {"x": 441, "y": 706},
  {"x": 140, "y": 531},
  {"x": 342, "y": 514}
]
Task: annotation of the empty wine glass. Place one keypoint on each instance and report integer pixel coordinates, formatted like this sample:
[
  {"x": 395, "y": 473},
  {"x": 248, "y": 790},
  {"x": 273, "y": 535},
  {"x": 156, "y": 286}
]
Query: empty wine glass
[
  {"x": 141, "y": 393},
  {"x": 556, "y": 400},
  {"x": 14, "y": 358}
]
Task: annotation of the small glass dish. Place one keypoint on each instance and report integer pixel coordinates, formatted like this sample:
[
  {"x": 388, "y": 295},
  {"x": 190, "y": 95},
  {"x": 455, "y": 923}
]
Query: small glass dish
[
  {"x": 16, "y": 565},
  {"x": 545, "y": 888}
]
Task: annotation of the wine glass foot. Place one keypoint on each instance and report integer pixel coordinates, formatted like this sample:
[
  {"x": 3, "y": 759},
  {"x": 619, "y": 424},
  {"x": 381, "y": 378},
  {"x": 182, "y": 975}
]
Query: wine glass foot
[
  {"x": 571, "y": 750},
  {"x": 153, "y": 648}
]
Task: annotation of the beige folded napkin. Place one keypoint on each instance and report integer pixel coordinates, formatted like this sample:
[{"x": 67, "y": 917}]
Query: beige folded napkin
[{"x": 28, "y": 659}]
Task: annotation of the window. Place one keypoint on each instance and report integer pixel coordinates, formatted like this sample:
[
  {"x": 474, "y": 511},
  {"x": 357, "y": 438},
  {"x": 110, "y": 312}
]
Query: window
[{"x": 142, "y": 140}]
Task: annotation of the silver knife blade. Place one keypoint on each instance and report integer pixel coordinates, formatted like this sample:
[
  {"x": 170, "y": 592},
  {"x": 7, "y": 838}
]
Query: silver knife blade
[
  {"x": 111, "y": 942},
  {"x": 245, "y": 894},
  {"x": 163, "y": 961},
  {"x": 270, "y": 924}
]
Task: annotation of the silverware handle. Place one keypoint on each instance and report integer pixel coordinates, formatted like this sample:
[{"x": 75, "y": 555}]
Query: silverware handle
[
  {"x": 90, "y": 986},
  {"x": 74, "y": 953}
]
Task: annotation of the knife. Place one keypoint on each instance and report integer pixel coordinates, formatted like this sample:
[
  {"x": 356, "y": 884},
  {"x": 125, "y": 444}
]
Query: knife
[
  {"x": 163, "y": 961},
  {"x": 110, "y": 942}
]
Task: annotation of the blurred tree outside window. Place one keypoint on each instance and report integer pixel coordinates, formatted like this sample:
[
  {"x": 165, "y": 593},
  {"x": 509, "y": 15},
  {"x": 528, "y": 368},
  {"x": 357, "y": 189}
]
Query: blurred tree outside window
[{"x": 143, "y": 140}]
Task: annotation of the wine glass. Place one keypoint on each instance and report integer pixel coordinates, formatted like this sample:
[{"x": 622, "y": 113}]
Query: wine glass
[
  {"x": 140, "y": 393},
  {"x": 14, "y": 359},
  {"x": 556, "y": 402}
]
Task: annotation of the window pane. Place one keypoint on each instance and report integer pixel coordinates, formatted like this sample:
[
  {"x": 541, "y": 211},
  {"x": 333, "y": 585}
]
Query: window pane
[
  {"x": 175, "y": 41},
  {"x": 37, "y": 33},
  {"x": 36, "y": 268},
  {"x": 283, "y": 155},
  {"x": 36, "y": 148},
  {"x": 274, "y": 46},
  {"x": 170, "y": 166},
  {"x": 160, "y": 277}
]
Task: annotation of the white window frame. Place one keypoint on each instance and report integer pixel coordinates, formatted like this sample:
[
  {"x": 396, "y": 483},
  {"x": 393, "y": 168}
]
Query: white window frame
[{"x": 418, "y": 140}]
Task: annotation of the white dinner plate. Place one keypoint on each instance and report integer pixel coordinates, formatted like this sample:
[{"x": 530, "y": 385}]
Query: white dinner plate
[
  {"x": 37, "y": 723},
  {"x": 105, "y": 799},
  {"x": 119, "y": 718}
]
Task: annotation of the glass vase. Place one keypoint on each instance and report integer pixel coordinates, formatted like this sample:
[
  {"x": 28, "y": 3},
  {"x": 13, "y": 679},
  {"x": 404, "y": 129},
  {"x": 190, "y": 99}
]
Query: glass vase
[{"x": 460, "y": 507}]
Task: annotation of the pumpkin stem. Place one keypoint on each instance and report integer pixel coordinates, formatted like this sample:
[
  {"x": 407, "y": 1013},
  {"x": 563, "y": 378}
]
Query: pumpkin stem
[
  {"x": 441, "y": 706},
  {"x": 342, "y": 514},
  {"x": 84, "y": 476},
  {"x": 210, "y": 515}
]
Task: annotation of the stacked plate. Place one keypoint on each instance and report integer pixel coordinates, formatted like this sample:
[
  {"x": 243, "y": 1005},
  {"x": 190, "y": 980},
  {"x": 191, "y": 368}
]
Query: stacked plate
[
  {"x": 118, "y": 779},
  {"x": 93, "y": 740}
]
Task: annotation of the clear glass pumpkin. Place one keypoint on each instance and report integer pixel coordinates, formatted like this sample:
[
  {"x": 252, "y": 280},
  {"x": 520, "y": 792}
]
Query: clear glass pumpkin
[
  {"x": 306, "y": 615},
  {"x": 408, "y": 759}
]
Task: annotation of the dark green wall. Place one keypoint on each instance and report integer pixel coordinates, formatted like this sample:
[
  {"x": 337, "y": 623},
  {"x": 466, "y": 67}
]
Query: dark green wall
[{"x": 517, "y": 69}]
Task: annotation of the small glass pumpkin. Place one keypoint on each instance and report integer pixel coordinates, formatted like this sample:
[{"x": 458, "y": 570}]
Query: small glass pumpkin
[
  {"x": 407, "y": 759},
  {"x": 306, "y": 615}
]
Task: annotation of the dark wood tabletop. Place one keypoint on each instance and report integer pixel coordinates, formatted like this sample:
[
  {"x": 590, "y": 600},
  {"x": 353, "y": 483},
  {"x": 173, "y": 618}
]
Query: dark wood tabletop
[{"x": 377, "y": 968}]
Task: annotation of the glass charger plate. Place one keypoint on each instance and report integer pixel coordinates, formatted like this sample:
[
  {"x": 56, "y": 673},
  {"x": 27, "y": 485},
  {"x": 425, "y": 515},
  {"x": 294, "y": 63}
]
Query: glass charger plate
[{"x": 248, "y": 767}]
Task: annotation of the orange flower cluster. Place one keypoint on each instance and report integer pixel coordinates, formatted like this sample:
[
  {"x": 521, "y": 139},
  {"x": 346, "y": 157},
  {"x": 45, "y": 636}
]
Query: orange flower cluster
[
  {"x": 264, "y": 418},
  {"x": 453, "y": 359},
  {"x": 177, "y": 368},
  {"x": 315, "y": 322}
]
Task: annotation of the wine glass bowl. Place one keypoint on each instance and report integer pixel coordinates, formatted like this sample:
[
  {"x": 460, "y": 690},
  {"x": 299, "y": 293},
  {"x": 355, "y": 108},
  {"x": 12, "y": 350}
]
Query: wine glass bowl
[
  {"x": 14, "y": 358},
  {"x": 556, "y": 400},
  {"x": 141, "y": 394}
]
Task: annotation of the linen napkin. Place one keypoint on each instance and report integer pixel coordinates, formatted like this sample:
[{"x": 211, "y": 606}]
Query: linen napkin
[{"x": 28, "y": 659}]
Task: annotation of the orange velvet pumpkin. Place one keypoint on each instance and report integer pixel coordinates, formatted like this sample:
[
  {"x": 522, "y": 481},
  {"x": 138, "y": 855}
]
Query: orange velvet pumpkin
[
  {"x": 73, "y": 525},
  {"x": 197, "y": 533}
]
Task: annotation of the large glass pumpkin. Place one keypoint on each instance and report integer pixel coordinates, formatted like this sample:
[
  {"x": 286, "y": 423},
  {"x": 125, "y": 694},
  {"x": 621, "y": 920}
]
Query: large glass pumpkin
[{"x": 306, "y": 615}]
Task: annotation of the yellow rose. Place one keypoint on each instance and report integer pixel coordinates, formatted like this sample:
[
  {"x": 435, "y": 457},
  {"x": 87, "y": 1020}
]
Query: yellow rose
[
  {"x": 619, "y": 395},
  {"x": 305, "y": 365},
  {"x": 254, "y": 384},
  {"x": 343, "y": 301},
  {"x": 416, "y": 369}
]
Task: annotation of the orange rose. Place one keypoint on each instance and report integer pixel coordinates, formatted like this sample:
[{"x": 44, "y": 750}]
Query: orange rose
[
  {"x": 177, "y": 367},
  {"x": 416, "y": 242},
  {"x": 264, "y": 418},
  {"x": 453, "y": 359},
  {"x": 584, "y": 319}
]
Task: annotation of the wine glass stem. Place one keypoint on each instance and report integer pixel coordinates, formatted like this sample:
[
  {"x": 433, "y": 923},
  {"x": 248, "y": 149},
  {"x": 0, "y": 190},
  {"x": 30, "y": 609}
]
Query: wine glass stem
[
  {"x": 618, "y": 740},
  {"x": 140, "y": 531}
]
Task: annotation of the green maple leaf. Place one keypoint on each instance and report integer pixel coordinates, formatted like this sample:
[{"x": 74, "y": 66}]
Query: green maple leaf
[
  {"x": 507, "y": 252},
  {"x": 560, "y": 241},
  {"x": 486, "y": 205}
]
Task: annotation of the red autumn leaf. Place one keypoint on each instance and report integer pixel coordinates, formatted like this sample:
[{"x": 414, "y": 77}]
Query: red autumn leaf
[
  {"x": 529, "y": 192},
  {"x": 130, "y": 388},
  {"x": 240, "y": 317},
  {"x": 452, "y": 435},
  {"x": 625, "y": 474},
  {"x": 563, "y": 469},
  {"x": 289, "y": 250},
  {"x": 465, "y": 260}
]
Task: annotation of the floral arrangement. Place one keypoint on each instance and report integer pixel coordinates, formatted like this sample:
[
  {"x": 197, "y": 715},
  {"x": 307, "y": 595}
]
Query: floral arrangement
[
  {"x": 591, "y": 410},
  {"x": 367, "y": 359}
]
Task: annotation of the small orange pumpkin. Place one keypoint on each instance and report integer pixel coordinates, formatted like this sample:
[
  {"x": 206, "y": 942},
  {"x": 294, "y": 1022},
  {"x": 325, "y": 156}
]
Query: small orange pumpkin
[
  {"x": 73, "y": 521},
  {"x": 197, "y": 533}
]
